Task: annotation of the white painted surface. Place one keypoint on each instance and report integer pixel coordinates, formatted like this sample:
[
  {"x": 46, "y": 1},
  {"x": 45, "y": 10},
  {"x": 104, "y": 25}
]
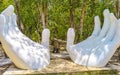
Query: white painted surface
[
  {"x": 97, "y": 49},
  {"x": 25, "y": 53}
]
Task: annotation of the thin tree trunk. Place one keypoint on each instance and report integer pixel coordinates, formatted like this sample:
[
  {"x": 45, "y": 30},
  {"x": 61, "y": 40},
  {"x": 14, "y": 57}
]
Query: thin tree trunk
[
  {"x": 38, "y": 20},
  {"x": 115, "y": 7},
  {"x": 43, "y": 19},
  {"x": 44, "y": 13},
  {"x": 17, "y": 5},
  {"x": 118, "y": 8},
  {"x": 71, "y": 14},
  {"x": 82, "y": 20}
]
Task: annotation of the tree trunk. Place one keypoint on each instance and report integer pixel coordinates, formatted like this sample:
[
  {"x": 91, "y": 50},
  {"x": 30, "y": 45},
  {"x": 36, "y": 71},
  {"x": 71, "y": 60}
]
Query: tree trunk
[
  {"x": 44, "y": 13},
  {"x": 43, "y": 19},
  {"x": 71, "y": 13},
  {"x": 117, "y": 8},
  {"x": 19, "y": 21},
  {"x": 82, "y": 20}
]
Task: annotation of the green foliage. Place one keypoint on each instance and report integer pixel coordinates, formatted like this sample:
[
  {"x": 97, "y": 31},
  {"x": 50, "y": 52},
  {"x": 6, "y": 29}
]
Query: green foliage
[
  {"x": 30, "y": 18},
  {"x": 4, "y": 4},
  {"x": 59, "y": 16}
]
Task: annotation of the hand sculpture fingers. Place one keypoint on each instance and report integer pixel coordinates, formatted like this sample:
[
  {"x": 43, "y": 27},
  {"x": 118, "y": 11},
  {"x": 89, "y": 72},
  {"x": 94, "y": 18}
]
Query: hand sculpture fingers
[
  {"x": 45, "y": 37},
  {"x": 70, "y": 36},
  {"x": 95, "y": 32},
  {"x": 8, "y": 11},
  {"x": 110, "y": 33},
  {"x": 106, "y": 24},
  {"x": 107, "y": 49},
  {"x": 112, "y": 29},
  {"x": 96, "y": 52},
  {"x": 20, "y": 49},
  {"x": 103, "y": 48},
  {"x": 2, "y": 24},
  {"x": 116, "y": 38},
  {"x": 101, "y": 34},
  {"x": 2, "y": 21},
  {"x": 97, "y": 27},
  {"x": 14, "y": 19}
]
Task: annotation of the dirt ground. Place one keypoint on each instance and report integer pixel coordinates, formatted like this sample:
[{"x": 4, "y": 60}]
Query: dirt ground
[
  {"x": 62, "y": 63},
  {"x": 58, "y": 65}
]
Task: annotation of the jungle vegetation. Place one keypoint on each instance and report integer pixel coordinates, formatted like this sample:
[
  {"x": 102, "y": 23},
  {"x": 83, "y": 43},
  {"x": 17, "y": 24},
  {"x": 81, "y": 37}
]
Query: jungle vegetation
[{"x": 59, "y": 15}]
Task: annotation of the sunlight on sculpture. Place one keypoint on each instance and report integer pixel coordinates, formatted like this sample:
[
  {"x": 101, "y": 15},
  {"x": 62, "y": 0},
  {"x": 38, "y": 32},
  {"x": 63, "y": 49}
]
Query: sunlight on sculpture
[
  {"x": 97, "y": 49},
  {"x": 25, "y": 53}
]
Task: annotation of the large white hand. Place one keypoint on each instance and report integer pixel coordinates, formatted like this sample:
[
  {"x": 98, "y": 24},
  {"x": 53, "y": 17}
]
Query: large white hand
[
  {"x": 93, "y": 47},
  {"x": 102, "y": 54},
  {"x": 24, "y": 52}
]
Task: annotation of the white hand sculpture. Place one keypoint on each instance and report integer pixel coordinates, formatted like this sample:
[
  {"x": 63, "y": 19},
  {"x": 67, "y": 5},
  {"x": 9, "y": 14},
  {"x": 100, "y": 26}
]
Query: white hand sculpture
[
  {"x": 97, "y": 49},
  {"x": 25, "y": 53}
]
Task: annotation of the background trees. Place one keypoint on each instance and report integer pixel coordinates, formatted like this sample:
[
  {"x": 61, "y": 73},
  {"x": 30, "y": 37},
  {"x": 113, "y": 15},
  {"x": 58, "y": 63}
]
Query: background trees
[{"x": 59, "y": 15}]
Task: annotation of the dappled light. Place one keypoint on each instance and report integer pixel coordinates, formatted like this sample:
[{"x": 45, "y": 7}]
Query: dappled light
[
  {"x": 24, "y": 52},
  {"x": 59, "y": 37},
  {"x": 97, "y": 49}
]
